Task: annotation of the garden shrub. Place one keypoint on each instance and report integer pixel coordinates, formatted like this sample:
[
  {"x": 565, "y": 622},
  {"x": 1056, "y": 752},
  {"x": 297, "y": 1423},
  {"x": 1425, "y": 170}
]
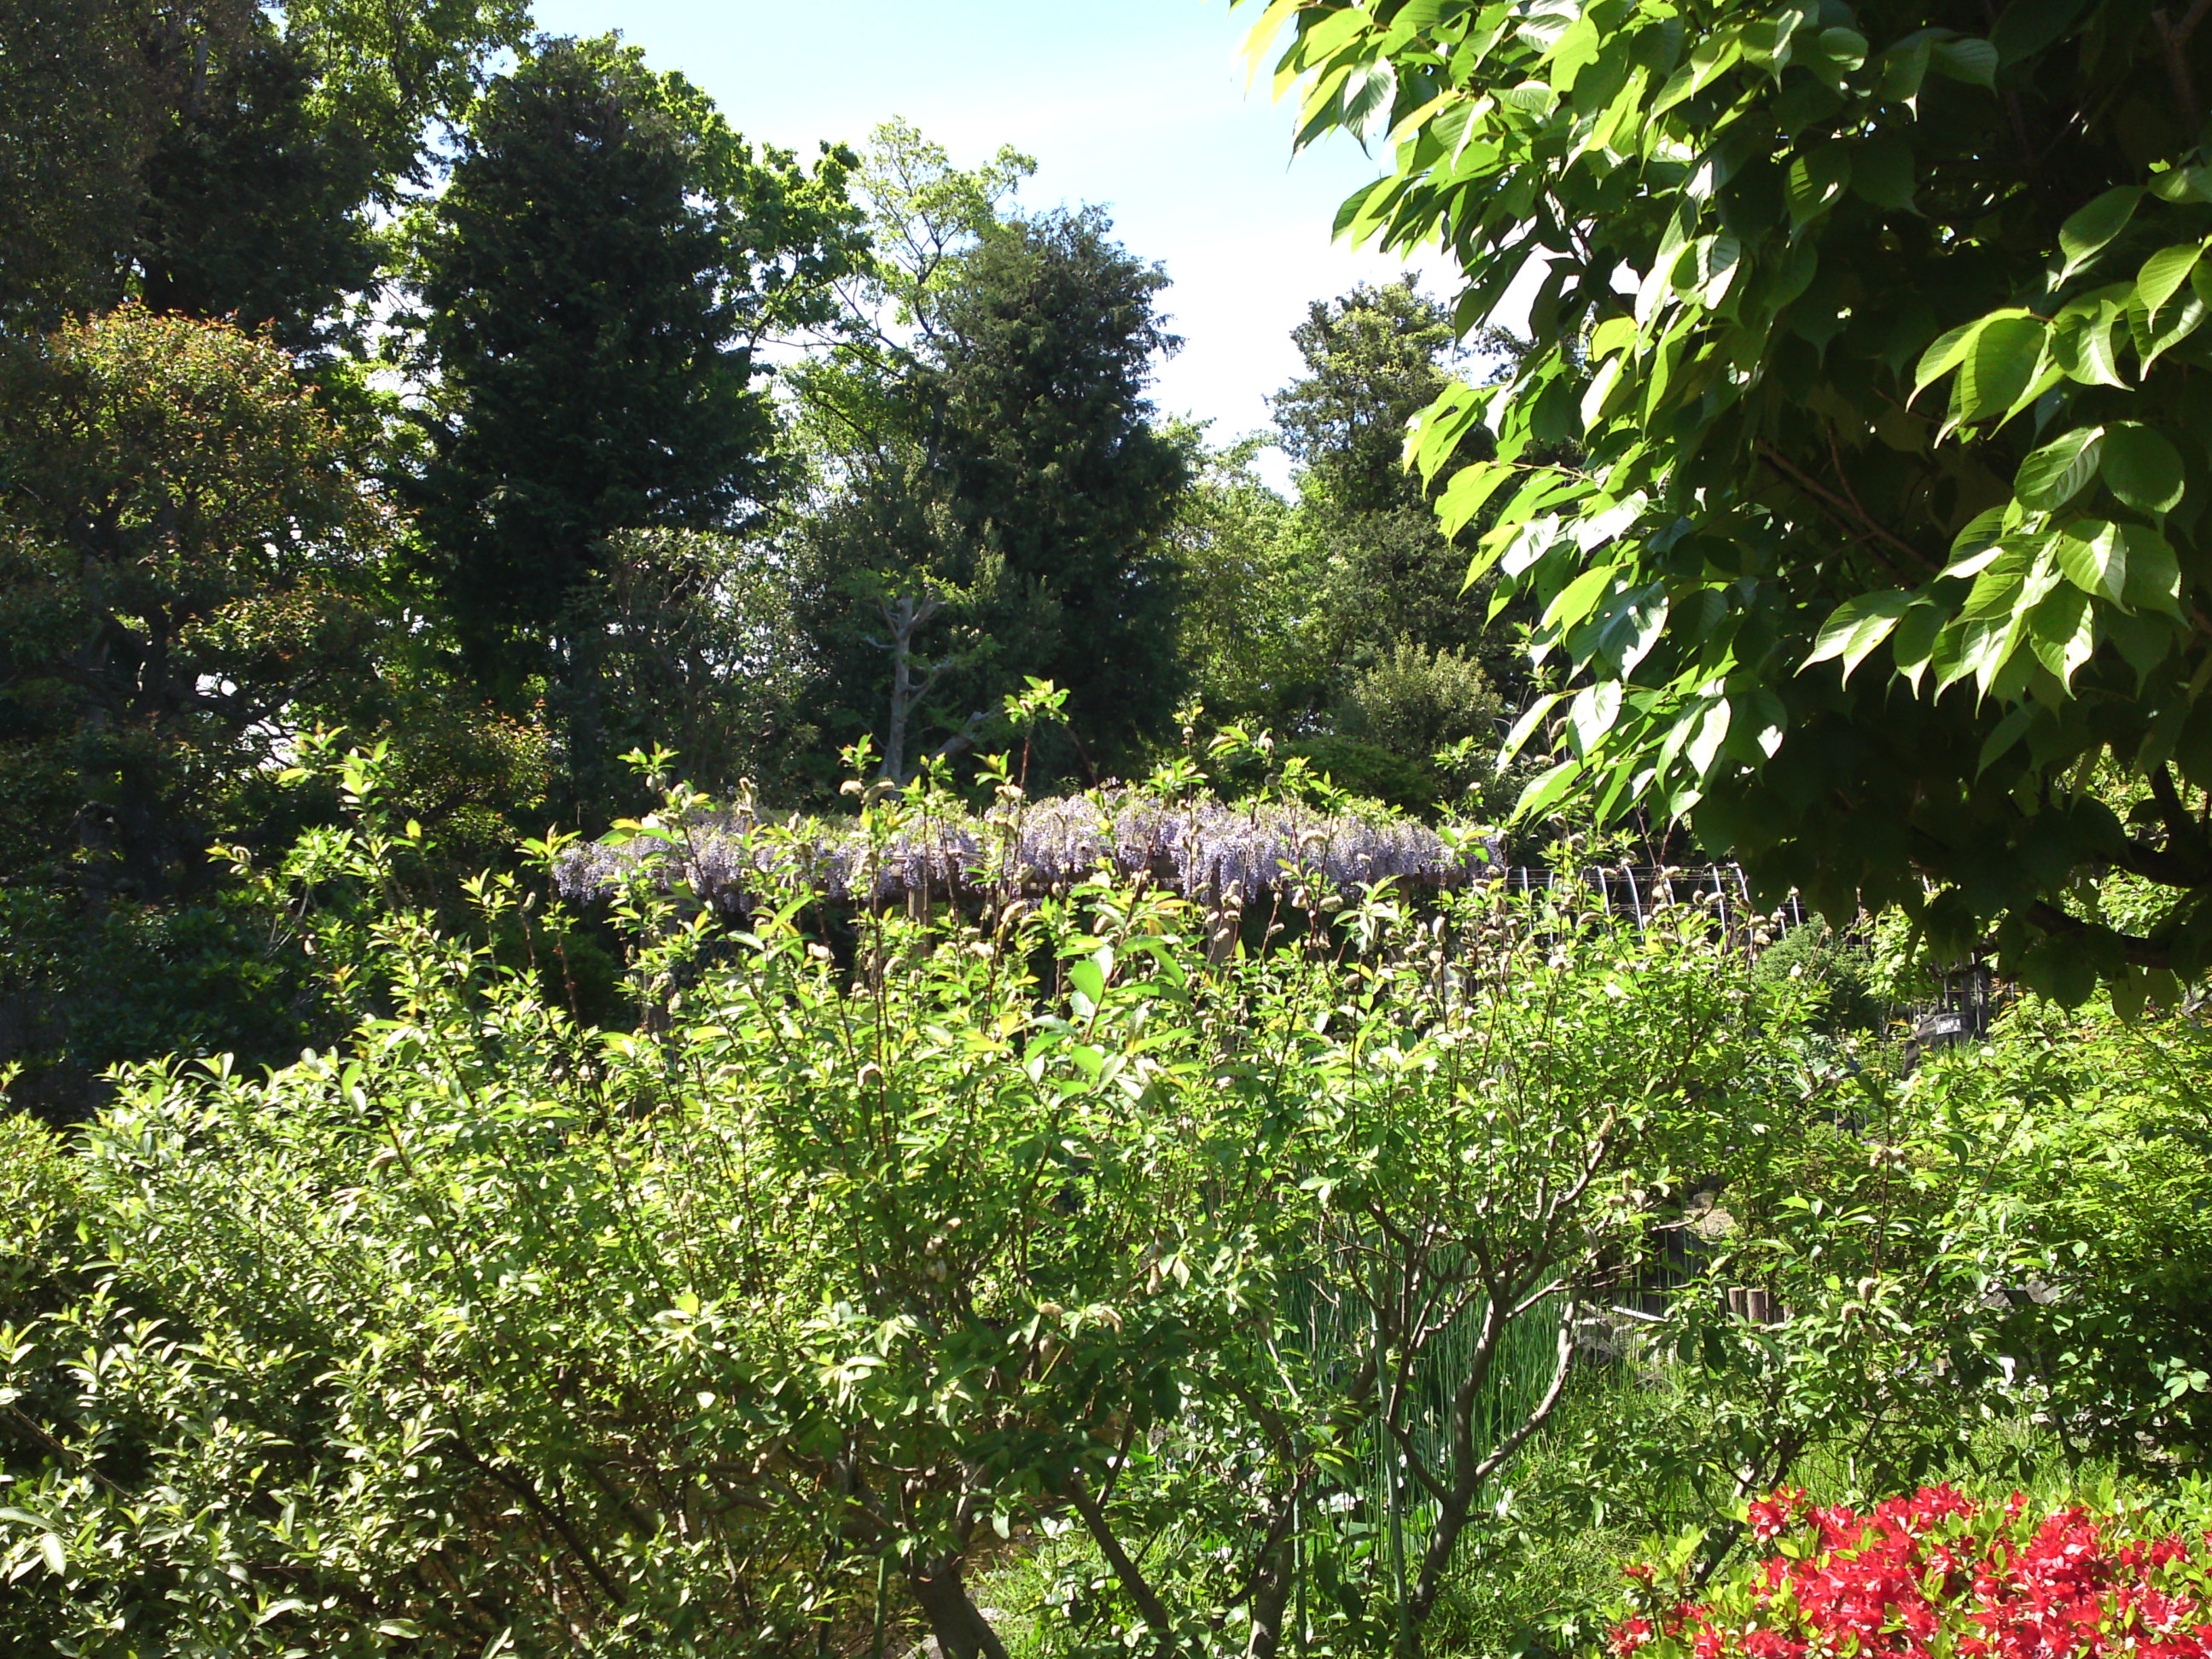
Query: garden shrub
[
  {"x": 1299, "y": 1293},
  {"x": 2079, "y": 1148},
  {"x": 773, "y": 1322},
  {"x": 1938, "y": 1572},
  {"x": 1841, "y": 970}
]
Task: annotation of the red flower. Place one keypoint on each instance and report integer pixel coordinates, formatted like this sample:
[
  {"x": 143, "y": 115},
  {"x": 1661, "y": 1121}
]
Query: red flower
[
  {"x": 1631, "y": 1636},
  {"x": 1935, "y": 1568}
]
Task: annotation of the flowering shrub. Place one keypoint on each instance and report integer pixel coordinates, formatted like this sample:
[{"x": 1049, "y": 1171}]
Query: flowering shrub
[
  {"x": 1938, "y": 1573},
  {"x": 1197, "y": 848}
]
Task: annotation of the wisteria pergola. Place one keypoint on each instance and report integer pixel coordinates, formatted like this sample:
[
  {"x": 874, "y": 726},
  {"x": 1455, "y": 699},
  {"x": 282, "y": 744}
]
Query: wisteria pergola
[{"x": 1223, "y": 856}]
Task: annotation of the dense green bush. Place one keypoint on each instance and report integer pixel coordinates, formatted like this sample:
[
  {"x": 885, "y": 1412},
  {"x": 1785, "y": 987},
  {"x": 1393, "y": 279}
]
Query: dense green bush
[
  {"x": 1840, "y": 971},
  {"x": 1188, "y": 1305},
  {"x": 87, "y": 984},
  {"x": 2081, "y": 1151},
  {"x": 793, "y": 1308}
]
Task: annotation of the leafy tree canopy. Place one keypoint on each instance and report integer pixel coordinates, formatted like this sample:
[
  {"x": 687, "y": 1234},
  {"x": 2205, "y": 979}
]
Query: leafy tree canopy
[
  {"x": 925, "y": 214},
  {"x": 594, "y": 283},
  {"x": 1374, "y": 359},
  {"x": 997, "y": 497},
  {"x": 1055, "y": 464},
  {"x": 182, "y": 557},
  {"x": 223, "y": 159},
  {"x": 75, "y": 115},
  {"x": 1878, "y": 327}
]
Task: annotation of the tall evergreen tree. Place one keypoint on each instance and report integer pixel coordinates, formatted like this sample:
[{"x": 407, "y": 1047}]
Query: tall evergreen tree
[
  {"x": 1055, "y": 466},
  {"x": 995, "y": 494},
  {"x": 79, "y": 124},
  {"x": 593, "y": 284},
  {"x": 220, "y": 158},
  {"x": 257, "y": 204},
  {"x": 1374, "y": 359}
]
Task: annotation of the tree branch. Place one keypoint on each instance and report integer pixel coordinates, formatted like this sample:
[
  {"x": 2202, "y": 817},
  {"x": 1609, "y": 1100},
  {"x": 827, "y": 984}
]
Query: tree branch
[
  {"x": 2173, "y": 39},
  {"x": 1849, "y": 514},
  {"x": 1130, "y": 1576}
]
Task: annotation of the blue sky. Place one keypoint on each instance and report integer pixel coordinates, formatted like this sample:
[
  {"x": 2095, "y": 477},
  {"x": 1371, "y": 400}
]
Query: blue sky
[{"x": 1140, "y": 105}]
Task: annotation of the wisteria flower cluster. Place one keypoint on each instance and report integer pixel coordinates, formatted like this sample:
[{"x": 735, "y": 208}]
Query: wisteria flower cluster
[
  {"x": 1933, "y": 1575},
  {"x": 1208, "y": 850}
]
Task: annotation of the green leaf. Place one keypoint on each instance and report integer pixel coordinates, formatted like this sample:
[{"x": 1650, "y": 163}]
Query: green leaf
[
  {"x": 1469, "y": 492},
  {"x": 1998, "y": 366},
  {"x": 2094, "y": 558},
  {"x": 2141, "y": 468},
  {"x": 2192, "y": 183},
  {"x": 1846, "y": 48},
  {"x": 1580, "y": 597},
  {"x": 1981, "y": 532},
  {"x": 2084, "y": 234},
  {"x": 2157, "y": 334},
  {"x": 1630, "y": 624},
  {"x": 1088, "y": 979},
  {"x": 2010, "y": 731},
  {"x": 2025, "y": 27},
  {"x": 1531, "y": 97},
  {"x": 1952, "y": 349},
  {"x": 1547, "y": 791},
  {"x": 1760, "y": 719},
  {"x": 2083, "y": 347},
  {"x": 2057, "y": 472},
  {"x": 2164, "y": 272},
  {"x": 2193, "y": 752},
  {"x": 1967, "y": 59},
  {"x": 2153, "y": 574},
  {"x": 1997, "y": 588},
  {"x": 1711, "y": 731},
  {"x": 1525, "y": 727},
  {"x": 1592, "y": 715},
  {"x": 1881, "y": 171},
  {"x": 2062, "y": 631},
  {"x": 1915, "y": 640},
  {"x": 1857, "y": 627},
  {"x": 57, "y": 1559},
  {"x": 1613, "y": 334},
  {"x": 1445, "y": 424}
]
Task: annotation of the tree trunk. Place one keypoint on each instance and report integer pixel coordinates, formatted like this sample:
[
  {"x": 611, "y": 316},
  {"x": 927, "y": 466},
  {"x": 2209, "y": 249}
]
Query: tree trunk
[
  {"x": 591, "y": 771},
  {"x": 961, "y": 1631},
  {"x": 1271, "y": 1597}
]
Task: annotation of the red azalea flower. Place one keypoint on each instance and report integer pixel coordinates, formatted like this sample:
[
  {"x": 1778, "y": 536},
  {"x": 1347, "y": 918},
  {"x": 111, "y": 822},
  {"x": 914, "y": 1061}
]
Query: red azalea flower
[{"x": 1631, "y": 1636}]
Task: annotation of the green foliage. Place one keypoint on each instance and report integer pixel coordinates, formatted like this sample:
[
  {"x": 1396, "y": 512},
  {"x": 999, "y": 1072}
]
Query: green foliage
[
  {"x": 223, "y": 160},
  {"x": 85, "y": 987},
  {"x": 998, "y": 502},
  {"x": 2089, "y": 1145},
  {"x": 1381, "y": 567},
  {"x": 192, "y": 581},
  {"x": 707, "y": 659},
  {"x": 1879, "y": 335},
  {"x": 78, "y": 129},
  {"x": 594, "y": 281},
  {"x": 1417, "y": 701},
  {"x": 1369, "y": 771},
  {"x": 1055, "y": 465},
  {"x": 1374, "y": 360},
  {"x": 1248, "y": 610},
  {"x": 1840, "y": 970},
  {"x": 182, "y": 557},
  {"x": 255, "y": 159},
  {"x": 689, "y": 1336},
  {"x": 925, "y": 215},
  {"x": 1341, "y": 620}
]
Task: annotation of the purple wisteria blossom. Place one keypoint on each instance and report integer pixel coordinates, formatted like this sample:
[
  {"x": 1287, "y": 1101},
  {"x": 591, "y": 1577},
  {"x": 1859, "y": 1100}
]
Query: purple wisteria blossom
[{"x": 1218, "y": 853}]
